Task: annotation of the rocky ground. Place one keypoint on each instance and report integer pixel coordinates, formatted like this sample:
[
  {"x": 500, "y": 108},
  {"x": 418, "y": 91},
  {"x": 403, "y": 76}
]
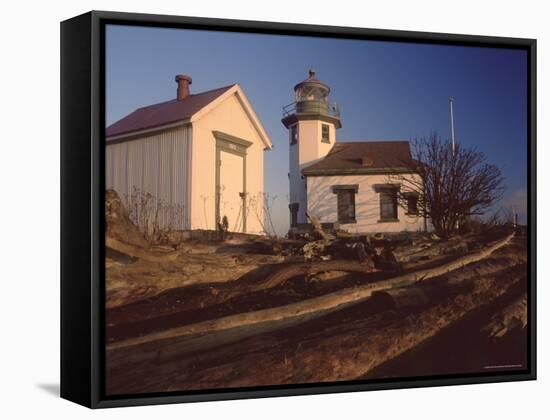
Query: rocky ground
[{"x": 203, "y": 314}]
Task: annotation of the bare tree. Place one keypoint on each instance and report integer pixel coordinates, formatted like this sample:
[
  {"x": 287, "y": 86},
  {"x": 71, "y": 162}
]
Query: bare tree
[{"x": 448, "y": 186}]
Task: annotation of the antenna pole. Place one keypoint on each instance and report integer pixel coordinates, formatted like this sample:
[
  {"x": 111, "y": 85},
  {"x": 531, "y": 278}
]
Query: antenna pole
[{"x": 451, "y": 101}]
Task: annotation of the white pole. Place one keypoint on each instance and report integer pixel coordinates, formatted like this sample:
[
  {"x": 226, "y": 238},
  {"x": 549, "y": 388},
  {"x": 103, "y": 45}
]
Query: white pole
[{"x": 451, "y": 101}]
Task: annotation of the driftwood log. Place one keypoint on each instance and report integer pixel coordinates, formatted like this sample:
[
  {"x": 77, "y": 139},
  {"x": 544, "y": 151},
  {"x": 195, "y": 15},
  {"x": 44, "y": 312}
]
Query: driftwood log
[
  {"x": 274, "y": 317},
  {"x": 318, "y": 228},
  {"x": 511, "y": 317},
  {"x": 137, "y": 252},
  {"x": 341, "y": 346}
]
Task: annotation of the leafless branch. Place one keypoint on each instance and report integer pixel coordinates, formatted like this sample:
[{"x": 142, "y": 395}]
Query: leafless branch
[{"x": 449, "y": 186}]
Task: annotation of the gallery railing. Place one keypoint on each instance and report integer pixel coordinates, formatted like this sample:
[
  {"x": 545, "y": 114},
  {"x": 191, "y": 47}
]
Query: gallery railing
[{"x": 311, "y": 107}]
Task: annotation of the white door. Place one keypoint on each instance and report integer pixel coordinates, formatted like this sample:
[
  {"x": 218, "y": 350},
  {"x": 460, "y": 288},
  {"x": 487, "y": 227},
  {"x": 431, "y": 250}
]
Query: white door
[{"x": 231, "y": 187}]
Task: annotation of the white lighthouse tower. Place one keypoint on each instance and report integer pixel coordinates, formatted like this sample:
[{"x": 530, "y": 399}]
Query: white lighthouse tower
[{"x": 312, "y": 124}]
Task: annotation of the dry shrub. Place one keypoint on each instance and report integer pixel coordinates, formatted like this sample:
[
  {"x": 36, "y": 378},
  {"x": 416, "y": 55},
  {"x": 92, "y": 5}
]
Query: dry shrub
[
  {"x": 154, "y": 217},
  {"x": 500, "y": 220},
  {"x": 261, "y": 206}
]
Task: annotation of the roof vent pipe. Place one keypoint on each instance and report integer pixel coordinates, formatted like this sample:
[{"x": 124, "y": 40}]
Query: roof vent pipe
[{"x": 183, "y": 82}]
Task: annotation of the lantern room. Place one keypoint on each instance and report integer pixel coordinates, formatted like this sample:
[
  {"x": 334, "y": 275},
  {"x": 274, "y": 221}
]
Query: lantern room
[{"x": 311, "y": 98}]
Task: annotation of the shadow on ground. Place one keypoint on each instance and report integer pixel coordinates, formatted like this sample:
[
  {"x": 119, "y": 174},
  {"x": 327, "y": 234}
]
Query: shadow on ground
[{"x": 52, "y": 389}]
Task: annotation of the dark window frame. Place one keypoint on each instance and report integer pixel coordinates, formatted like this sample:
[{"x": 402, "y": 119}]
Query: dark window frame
[
  {"x": 412, "y": 198},
  {"x": 342, "y": 192},
  {"x": 327, "y": 138},
  {"x": 388, "y": 196}
]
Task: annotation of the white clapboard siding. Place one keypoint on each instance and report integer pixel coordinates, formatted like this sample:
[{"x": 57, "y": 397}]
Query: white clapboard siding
[{"x": 157, "y": 164}]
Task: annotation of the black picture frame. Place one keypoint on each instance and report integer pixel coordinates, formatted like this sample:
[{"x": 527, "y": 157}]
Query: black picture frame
[{"x": 82, "y": 198}]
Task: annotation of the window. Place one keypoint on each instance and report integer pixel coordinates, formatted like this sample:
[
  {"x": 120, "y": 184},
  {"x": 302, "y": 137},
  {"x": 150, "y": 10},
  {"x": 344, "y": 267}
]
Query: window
[
  {"x": 346, "y": 206},
  {"x": 388, "y": 204},
  {"x": 412, "y": 204},
  {"x": 294, "y": 213},
  {"x": 293, "y": 135},
  {"x": 345, "y": 197},
  {"x": 325, "y": 133}
]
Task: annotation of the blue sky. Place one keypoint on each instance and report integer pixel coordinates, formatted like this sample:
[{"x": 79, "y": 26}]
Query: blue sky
[{"x": 385, "y": 90}]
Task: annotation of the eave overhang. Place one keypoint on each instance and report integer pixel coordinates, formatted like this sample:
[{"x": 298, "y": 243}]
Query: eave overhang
[
  {"x": 357, "y": 171},
  {"x": 132, "y": 135}
]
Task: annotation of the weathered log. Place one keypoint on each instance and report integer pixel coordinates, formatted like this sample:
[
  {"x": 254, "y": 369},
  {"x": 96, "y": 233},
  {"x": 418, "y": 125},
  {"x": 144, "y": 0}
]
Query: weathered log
[
  {"x": 386, "y": 260},
  {"x": 513, "y": 316},
  {"x": 400, "y": 298},
  {"x": 138, "y": 252},
  {"x": 341, "y": 346},
  {"x": 318, "y": 228},
  {"x": 294, "y": 270},
  {"x": 315, "y": 249},
  {"x": 428, "y": 291},
  {"x": 319, "y": 305}
]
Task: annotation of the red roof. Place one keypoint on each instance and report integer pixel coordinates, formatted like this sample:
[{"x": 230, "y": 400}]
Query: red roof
[
  {"x": 164, "y": 113},
  {"x": 363, "y": 157}
]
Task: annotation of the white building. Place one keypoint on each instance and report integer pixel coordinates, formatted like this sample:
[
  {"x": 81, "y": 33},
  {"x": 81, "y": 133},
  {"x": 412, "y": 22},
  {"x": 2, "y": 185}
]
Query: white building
[
  {"x": 354, "y": 184},
  {"x": 202, "y": 153}
]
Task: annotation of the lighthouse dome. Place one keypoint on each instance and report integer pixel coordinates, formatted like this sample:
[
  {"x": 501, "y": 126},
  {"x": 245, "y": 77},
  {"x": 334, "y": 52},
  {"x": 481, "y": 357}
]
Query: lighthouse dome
[{"x": 311, "y": 89}]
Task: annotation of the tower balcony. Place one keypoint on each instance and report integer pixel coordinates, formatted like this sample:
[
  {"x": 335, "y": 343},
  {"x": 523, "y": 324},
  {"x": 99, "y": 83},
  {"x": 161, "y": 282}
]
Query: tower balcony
[
  {"x": 311, "y": 110},
  {"x": 311, "y": 107}
]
